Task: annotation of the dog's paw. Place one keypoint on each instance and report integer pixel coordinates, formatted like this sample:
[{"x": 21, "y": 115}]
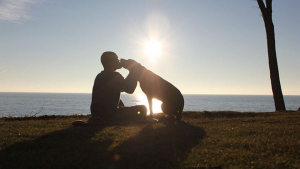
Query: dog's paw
[{"x": 152, "y": 120}]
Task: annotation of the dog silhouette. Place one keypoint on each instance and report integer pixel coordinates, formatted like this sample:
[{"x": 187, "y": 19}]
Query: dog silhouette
[{"x": 156, "y": 87}]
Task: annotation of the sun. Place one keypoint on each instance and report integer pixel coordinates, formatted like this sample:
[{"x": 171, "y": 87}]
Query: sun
[{"x": 153, "y": 48}]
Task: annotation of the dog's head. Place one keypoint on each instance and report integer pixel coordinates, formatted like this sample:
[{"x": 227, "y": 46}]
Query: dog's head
[{"x": 129, "y": 64}]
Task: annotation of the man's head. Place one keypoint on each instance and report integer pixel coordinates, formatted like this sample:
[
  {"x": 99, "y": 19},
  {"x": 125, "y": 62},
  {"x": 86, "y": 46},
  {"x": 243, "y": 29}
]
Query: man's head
[{"x": 110, "y": 60}]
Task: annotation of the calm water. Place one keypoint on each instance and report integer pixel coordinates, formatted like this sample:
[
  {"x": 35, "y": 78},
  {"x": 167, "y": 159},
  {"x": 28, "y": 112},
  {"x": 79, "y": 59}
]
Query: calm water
[{"x": 26, "y": 104}]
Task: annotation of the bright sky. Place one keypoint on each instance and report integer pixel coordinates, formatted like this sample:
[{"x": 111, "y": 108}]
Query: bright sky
[{"x": 201, "y": 47}]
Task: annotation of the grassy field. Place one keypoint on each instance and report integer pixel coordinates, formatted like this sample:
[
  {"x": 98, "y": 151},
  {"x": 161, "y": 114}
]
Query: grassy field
[{"x": 201, "y": 140}]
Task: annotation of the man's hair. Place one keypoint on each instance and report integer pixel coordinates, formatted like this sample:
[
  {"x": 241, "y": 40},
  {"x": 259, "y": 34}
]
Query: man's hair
[{"x": 108, "y": 58}]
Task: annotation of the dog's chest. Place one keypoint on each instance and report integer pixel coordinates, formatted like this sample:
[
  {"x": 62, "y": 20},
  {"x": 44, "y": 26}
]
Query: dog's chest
[{"x": 152, "y": 84}]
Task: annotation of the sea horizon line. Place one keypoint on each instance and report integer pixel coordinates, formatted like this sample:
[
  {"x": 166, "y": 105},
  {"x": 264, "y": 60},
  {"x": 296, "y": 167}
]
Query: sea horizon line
[{"x": 143, "y": 93}]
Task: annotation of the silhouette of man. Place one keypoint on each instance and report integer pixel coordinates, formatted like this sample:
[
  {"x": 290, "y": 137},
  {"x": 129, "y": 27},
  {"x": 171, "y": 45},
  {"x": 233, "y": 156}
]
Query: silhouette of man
[{"x": 106, "y": 104}]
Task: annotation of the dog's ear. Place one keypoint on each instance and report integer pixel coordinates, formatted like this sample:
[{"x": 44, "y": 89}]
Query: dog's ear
[
  {"x": 135, "y": 63},
  {"x": 132, "y": 61}
]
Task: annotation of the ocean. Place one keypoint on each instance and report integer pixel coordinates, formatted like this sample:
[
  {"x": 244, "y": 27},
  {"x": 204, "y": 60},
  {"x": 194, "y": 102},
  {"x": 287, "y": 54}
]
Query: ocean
[{"x": 30, "y": 104}]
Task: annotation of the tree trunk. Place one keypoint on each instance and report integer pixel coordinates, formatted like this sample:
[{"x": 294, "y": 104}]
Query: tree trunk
[{"x": 273, "y": 66}]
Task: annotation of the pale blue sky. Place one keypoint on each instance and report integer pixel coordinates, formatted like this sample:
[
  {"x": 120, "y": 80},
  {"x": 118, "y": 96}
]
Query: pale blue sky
[{"x": 209, "y": 47}]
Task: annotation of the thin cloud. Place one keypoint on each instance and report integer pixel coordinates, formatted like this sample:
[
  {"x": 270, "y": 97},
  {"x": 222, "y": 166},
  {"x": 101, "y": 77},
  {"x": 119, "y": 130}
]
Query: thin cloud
[{"x": 15, "y": 10}]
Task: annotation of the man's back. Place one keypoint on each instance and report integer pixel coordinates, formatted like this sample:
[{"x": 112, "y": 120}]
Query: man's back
[{"x": 106, "y": 93}]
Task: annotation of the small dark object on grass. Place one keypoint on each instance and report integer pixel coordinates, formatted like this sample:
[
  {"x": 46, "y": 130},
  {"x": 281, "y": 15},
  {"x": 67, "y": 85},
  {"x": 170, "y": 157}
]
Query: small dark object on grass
[{"x": 79, "y": 123}]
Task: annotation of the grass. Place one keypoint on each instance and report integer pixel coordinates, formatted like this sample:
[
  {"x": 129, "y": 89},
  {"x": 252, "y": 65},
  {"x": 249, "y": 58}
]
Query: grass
[{"x": 201, "y": 140}]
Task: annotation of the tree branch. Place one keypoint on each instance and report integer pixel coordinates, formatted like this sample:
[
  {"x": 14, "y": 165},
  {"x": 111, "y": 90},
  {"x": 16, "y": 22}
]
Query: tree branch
[
  {"x": 262, "y": 6},
  {"x": 269, "y": 4},
  {"x": 269, "y": 7}
]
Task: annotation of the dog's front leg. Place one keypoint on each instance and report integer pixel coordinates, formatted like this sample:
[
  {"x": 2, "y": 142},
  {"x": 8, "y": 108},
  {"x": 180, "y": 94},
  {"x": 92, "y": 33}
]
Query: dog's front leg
[{"x": 150, "y": 105}]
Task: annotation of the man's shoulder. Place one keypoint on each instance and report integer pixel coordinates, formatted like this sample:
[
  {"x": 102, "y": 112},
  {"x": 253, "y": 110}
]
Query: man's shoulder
[{"x": 110, "y": 74}]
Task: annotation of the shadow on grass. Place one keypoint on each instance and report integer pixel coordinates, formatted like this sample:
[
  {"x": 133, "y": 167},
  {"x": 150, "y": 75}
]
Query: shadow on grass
[
  {"x": 162, "y": 147},
  {"x": 59, "y": 149}
]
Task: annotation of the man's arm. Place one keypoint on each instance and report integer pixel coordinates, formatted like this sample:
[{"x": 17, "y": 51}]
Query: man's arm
[{"x": 129, "y": 84}]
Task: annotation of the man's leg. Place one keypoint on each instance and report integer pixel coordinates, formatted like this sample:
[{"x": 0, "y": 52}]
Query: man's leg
[{"x": 131, "y": 113}]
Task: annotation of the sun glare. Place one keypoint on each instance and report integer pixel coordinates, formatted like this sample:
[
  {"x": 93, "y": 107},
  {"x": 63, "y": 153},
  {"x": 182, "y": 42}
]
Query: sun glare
[
  {"x": 153, "y": 48},
  {"x": 156, "y": 104}
]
